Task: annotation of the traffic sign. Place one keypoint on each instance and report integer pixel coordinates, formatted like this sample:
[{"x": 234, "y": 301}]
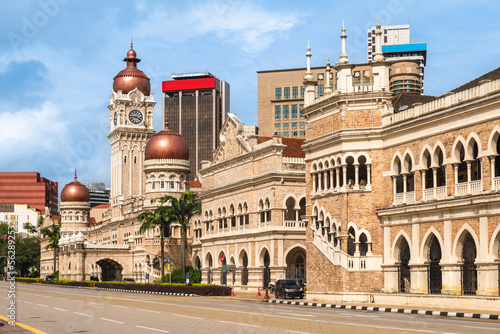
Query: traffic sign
[
  {"x": 168, "y": 261},
  {"x": 222, "y": 258}
]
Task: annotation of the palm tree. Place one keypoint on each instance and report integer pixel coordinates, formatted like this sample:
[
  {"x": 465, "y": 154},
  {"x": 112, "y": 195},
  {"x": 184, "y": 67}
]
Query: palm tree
[
  {"x": 53, "y": 233},
  {"x": 162, "y": 218},
  {"x": 182, "y": 210}
]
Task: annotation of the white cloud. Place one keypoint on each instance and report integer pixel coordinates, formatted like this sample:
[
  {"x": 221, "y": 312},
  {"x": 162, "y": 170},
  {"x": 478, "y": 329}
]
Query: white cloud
[
  {"x": 29, "y": 132},
  {"x": 245, "y": 24}
]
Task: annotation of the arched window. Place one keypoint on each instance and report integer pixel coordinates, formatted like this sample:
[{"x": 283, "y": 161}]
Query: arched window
[
  {"x": 350, "y": 241},
  {"x": 404, "y": 267},
  {"x": 435, "y": 275},
  {"x": 476, "y": 163},
  {"x": 350, "y": 172},
  {"x": 363, "y": 244},
  {"x": 290, "y": 209},
  {"x": 469, "y": 267}
]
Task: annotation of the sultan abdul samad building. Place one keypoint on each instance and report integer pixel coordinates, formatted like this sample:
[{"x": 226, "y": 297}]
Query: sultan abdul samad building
[{"x": 389, "y": 192}]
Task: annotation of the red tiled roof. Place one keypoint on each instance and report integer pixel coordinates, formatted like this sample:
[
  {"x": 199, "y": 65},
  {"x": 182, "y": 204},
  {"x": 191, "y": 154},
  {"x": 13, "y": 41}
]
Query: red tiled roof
[
  {"x": 92, "y": 221},
  {"x": 101, "y": 206},
  {"x": 293, "y": 147},
  {"x": 57, "y": 218},
  {"x": 194, "y": 184}
]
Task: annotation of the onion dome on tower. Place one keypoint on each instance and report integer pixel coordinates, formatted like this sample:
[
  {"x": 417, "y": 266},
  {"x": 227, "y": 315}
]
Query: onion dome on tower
[
  {"x": 167, "y": 144},
  {"x": 75, "y": 192},
  {"x": 131, "y": 77}
]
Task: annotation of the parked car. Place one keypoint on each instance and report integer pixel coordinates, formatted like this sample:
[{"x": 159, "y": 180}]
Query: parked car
[
  {"x": 49, "y": 278},
  {"x": 129, "y": 280},
  {"x": 288, "y": 288}
]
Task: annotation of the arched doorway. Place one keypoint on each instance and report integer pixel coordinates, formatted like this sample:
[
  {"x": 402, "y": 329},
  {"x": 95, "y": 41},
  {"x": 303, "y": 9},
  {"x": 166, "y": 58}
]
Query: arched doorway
[
  {"x": 110, "y": 270},
  {"x": 404, "y": 267},
  {"x": 435, "y": 276},
  {"x": 266, "y": 272},
  {"x": 296, "y": 265},
  {"x": 209, "y": 264},
  {"x": 469, "y": 268},
  {"x": 223, "y": 274},
  {"x": 244, "y": 271},
  {"x": 197, "y": 263}
]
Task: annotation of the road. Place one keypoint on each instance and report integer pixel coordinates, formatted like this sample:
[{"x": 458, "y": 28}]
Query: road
[{"x": 68, "y": 310}]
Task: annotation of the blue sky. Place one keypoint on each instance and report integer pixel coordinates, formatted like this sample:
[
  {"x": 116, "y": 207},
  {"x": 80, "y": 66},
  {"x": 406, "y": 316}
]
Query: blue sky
[{"x": 58, "y": 59}]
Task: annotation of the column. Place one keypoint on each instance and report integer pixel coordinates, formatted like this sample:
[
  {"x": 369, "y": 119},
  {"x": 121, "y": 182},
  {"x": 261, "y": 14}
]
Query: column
[
  {"x": 337, "y": 177},
  {"x": 331, "y": 179},
  {"x": 356, "y": 177},
  {"x": 469, "y": 174},
  {"x": 313, "y": 177},
  {"x": 368, "y": 175},
  {"x": 492, "y": 171},
  {"x": 344, "y": 176},
  {"x": 405, "y": 178},
  {"x": 455, "y": 169},
  {"x": 325, "y": 177},
  {"x": 394, "y": 187},
  {"x": 424, "y": 173}
]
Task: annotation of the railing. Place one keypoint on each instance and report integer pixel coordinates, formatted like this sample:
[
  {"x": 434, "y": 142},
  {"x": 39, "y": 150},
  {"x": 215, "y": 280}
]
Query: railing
[
  {"x": 410, "y": 197},
  {"x": 398, "y": 198},
  {"x": 294, "y": 223},
  {"x": 292, "y": 160},
  {"x": 92, "y": 246},
  {"x": 435, "y": 193},
  {"x": 473, "y": 187},
  {"x": 476, "y": 186},
  {"x": 461, "y": 188},
  {"x": 496, "y": 183}
]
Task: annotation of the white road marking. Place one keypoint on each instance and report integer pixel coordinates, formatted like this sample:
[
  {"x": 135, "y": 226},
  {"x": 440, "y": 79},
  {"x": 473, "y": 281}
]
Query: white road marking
[
  {"x": 48, "y": 297},
  {"x": 240, "y": 324},
  {"x": 297, "y": 332},
  {"x": 42, "y": 305},
  {"x": 187, "y": 316},
  {"x": 119, "y": 306},
  {"x": 140, "y": 309},
  {"x": 96, "y": 303},
  {"x": 60, "y": 309},
  {"x": 152, "y": 329},
  {"x": 29, "y": 303},
  {"x": 61, "y": 298},
  {"x": 118, "y": 322},
  {"x": 366, "y": 316},
  {"x": 298, "y": 315},
  {"x": 87, "y": 315}
]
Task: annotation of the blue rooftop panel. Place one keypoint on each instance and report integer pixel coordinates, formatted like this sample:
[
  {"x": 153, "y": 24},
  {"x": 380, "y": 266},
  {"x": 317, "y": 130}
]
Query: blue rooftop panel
[{"x": 404, "y": 47}]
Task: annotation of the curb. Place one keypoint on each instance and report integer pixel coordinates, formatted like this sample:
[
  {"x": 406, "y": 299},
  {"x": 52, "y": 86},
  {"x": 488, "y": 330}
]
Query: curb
[
  {"x": 391, "y": 310},
  {"x": 149, "y": 292}
]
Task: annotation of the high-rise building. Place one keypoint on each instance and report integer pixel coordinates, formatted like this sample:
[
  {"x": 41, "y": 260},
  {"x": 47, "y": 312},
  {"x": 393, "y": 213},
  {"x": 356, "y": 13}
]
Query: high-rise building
[
  {"x": 196, "y": 105},
  {"x": 28, "y": 188},
  {"x": 98, "y": 193},
  {"x": 391, "y": 35}
]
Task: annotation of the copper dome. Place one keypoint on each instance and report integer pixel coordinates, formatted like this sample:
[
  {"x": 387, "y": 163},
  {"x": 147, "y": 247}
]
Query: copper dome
[
  {"x": 131, "y": 77},
  {"x": 75, "y": 192},
  {"x": 167, "y": 144}
]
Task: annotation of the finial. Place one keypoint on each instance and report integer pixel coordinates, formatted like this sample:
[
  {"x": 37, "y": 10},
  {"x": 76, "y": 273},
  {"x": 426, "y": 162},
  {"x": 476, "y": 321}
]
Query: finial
[
  {"x": 131, "y": 43},
  {"x": 75, "y": 173},
  {"x": 343, "y": 55}
]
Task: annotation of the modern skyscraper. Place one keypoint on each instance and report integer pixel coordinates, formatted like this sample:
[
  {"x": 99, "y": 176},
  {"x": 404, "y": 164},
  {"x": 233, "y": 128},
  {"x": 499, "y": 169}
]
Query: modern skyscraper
[
  {"x": 28, "y": 188},
  {"x": 196, "y": 105},
  {"x": 391, "y": 35}
]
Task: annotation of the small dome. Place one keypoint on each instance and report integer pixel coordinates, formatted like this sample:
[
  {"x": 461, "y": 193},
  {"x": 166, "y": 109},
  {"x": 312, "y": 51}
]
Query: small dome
[
  {"x": 75, "y": 192},
  {"x": 65, "y": 240},
  {"x": 79, "y": 237},
  {"x": 167, "y": 144},
  {"x": 131, "y": 77},
  {"x": 72, "y": 239}
]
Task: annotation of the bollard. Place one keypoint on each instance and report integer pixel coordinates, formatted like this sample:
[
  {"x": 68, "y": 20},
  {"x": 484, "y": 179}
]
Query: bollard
[{"x": 267, "y": 294}]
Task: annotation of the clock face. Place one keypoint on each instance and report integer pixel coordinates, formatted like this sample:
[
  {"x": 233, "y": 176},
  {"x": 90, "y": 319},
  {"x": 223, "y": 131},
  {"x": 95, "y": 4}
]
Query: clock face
[
  {"x": 320, "y": 76},
  {"x": 115, "y": 118},
  {"x": 136, "y": 117}
]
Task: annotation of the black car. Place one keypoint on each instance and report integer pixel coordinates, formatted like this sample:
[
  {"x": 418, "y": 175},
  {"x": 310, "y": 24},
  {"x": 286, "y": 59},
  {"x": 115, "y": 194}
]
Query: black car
[
  {"x": 288, "y": 288},
  {"x": 49, "y": 278}
]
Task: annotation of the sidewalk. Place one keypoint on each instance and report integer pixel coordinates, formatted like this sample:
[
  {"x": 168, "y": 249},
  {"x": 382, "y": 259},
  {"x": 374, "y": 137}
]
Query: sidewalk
[{"x": 421, "y": 310}]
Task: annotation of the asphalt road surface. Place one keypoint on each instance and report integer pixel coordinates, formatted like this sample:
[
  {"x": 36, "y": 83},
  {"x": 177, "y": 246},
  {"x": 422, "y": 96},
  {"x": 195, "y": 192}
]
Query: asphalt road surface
[{"x": 57, "y": 310}]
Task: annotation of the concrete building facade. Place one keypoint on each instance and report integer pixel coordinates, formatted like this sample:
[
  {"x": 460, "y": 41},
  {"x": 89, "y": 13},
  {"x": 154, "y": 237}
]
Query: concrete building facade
[{"x": 28, "y": 188}]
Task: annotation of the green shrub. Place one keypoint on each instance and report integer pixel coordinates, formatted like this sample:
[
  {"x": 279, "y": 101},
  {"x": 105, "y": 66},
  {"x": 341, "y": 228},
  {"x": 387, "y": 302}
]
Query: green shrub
[{"x": 179, "y": 277}]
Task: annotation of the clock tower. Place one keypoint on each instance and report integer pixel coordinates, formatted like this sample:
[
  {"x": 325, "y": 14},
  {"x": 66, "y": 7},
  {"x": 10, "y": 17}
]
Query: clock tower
[{"x": 131, "y": 110}]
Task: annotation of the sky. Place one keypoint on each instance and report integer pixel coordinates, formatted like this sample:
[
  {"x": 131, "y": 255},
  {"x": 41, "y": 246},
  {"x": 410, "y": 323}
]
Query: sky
[{"x": 58, "y": 59}]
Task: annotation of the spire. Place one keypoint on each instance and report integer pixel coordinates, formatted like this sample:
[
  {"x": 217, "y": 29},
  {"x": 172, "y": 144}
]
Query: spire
[
  {"x": 131, "y": 43},
  {"x": 75, "y": 173},
  {"x": 328, "y": 88},
  {"x": 308, "y": 76},
  {"x": 343, "y": 55},
  {"x": 378, "y": 56}
]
